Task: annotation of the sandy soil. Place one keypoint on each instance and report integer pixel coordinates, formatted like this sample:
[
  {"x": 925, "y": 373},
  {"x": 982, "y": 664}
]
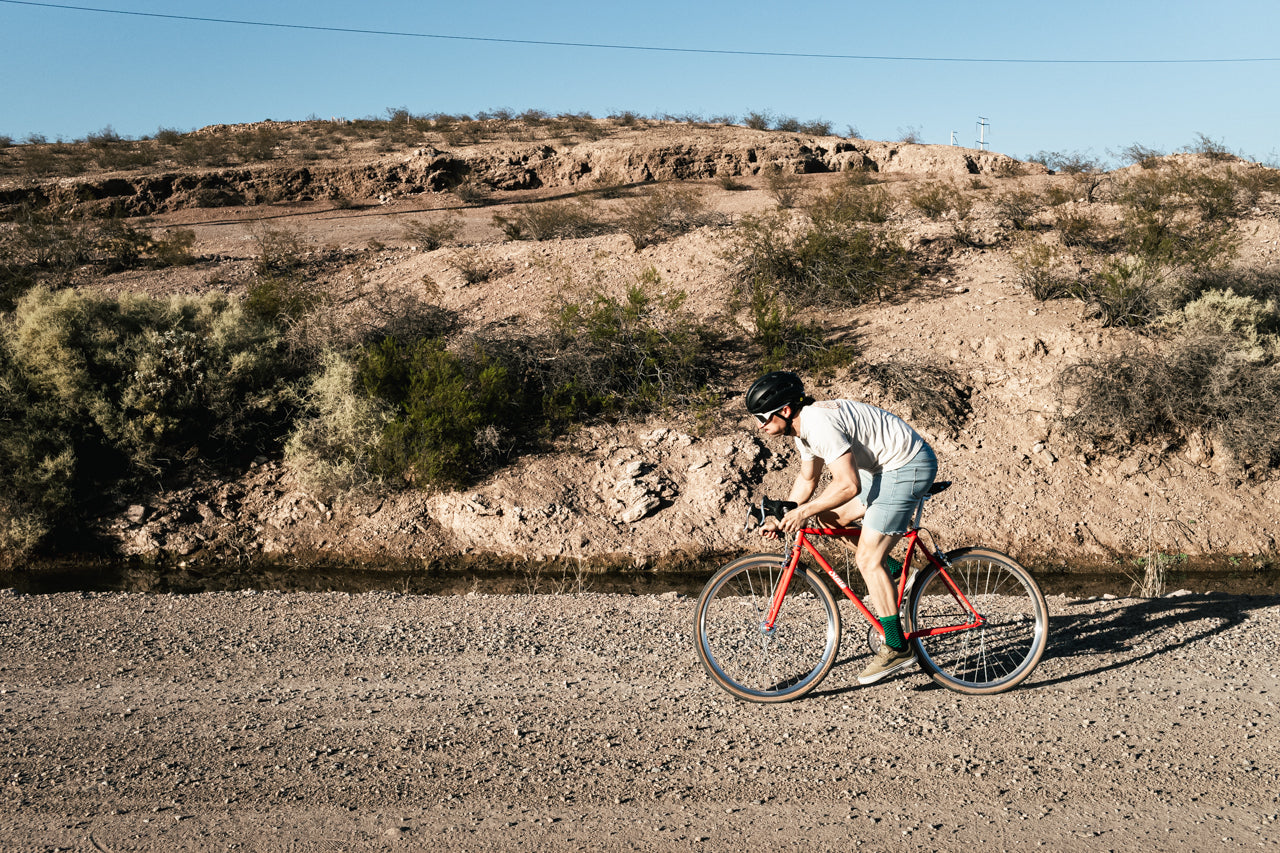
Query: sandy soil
[{"x": 251, "y": 721}]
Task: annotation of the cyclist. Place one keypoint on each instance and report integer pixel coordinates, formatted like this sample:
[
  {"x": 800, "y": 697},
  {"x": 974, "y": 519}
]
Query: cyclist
[{"x": 880, "y": 468}]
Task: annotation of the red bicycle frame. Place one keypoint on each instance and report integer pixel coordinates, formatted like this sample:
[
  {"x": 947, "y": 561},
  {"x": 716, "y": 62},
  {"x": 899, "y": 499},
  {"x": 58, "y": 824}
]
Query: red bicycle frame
[{"x": 912, "y": 539}]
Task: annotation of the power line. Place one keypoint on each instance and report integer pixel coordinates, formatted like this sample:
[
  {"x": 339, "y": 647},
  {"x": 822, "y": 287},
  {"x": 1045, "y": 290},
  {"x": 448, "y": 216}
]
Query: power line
[{"x": 649, "y": 48}]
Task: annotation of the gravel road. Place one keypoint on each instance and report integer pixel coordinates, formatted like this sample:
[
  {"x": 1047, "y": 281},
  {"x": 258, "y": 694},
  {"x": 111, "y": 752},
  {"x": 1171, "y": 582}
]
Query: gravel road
[{"x": 288, "y": 721}]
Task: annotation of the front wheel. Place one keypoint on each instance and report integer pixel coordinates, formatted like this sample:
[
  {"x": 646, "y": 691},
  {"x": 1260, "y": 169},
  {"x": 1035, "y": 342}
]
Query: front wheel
[
  {"x": 762, "y": 664},
  {"x": 1004, "y": 648}
]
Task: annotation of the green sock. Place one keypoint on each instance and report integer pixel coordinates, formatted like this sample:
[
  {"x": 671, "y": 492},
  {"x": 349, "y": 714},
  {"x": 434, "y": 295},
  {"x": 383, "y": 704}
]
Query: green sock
[
  {"x": 893, "y": 567},
  {"x": 893, "y": 633}
]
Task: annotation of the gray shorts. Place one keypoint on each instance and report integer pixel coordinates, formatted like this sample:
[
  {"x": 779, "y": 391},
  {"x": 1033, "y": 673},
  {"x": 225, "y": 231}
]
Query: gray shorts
[{"x": 891, "y": 497}]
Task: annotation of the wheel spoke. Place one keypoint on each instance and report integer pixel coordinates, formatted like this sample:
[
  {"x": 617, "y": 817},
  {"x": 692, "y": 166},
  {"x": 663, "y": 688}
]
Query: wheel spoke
[
  {"x": 758, "y": 663},
  {"x": 1003, "y": 650}
]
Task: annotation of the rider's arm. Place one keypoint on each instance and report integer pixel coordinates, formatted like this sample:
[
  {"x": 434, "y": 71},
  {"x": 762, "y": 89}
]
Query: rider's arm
[
  {"x": 806, "y": 480},
  {"x": 844, "y": 487}
]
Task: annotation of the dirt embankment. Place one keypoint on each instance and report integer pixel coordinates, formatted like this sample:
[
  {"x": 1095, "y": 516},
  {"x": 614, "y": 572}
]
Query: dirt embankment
[
  {"x": 666, "y": 488},
  {"x": 630, "y": 157}
]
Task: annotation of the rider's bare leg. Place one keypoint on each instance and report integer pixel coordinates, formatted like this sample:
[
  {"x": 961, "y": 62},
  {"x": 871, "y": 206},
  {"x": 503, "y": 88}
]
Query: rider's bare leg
[{"x": 873, "y": 547}]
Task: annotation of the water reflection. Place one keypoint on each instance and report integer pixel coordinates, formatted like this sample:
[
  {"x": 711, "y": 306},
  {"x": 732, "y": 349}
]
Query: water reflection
[{"x": 510, "y": 577}]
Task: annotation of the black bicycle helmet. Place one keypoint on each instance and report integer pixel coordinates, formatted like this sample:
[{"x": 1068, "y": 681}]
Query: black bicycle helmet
[{"x": 773, "y": 391}]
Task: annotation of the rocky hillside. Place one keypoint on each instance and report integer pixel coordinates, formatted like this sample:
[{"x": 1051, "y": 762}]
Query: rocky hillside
[{"x": 673, "y": 486}]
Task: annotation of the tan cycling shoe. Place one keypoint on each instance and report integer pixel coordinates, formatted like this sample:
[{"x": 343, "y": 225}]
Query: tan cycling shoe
[{"x": 886, "y": 662}]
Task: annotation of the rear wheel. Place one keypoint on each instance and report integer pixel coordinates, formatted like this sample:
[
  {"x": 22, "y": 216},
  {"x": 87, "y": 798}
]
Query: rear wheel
[
  {"x": 990, "y": 657},
  {"x": 766, "y": 664}
]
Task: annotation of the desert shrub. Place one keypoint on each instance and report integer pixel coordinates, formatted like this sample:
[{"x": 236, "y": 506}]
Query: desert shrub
[
  {"x": 37, "y": 462},
  {"x": 474, "y": 266},
  {"x": 935, "y": 199},
  {"x": 1068, "y": 163},
  {"x": 1252, "y": 325},
  {"x": 848, "y": 204},
  {"x": 663, "y": 214},
  {"x": 429, "y": 236},
  {"x": 280, "y": 250},
  {"x": 633, "y": 355},
  {"x": 100, "y": 392},
  {"x": 783, "y": 186},
  {"x": 1075, "y": 227},
  {"x": 121, "y": 246},
  {"x": 816, "y": 127},
  {"x": 1019, "y": 208},
  {"x": 1214, "y": 149},
  {"x": 1260, "y": 284},
  {"x": 49, "y": 238},
  {"x": 1130, "y": 291},
  {"x": 551, "y": 221},
  {"x": 470, "y": 192},
  {"x": 1201, "y": 384},
  {"x": 331, "y": 448},
  {"x": 1141, "y": 155},
  {"x": 444, "y": 407},
  {"x": 910, "y": 135},
  {"x": 823, "y": 265},
  {"x": 731, "y": 183},
  {"x": 1036, "y": 269},
  {"x": 281, "y": 298},
  {"x": 933, "y": 393},
  {"x": 786, "y": 342},
  {"x": 758, "y": 120}
]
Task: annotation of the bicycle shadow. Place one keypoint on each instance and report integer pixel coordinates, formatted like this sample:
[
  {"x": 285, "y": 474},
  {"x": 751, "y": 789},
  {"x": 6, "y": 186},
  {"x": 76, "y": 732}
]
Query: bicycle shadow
[
  {"x": 1130, "y": 632},
  {"x": 1138, "y": 630}
]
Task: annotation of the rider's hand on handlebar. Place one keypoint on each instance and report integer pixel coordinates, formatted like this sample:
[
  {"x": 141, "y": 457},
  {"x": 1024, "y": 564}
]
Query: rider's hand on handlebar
[
  {"x": 793, "y": 521},
  {"x": 769, "y": 530}
]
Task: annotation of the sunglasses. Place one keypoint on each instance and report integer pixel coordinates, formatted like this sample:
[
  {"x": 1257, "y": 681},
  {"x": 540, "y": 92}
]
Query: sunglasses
[{"x": 766, "y": 416}]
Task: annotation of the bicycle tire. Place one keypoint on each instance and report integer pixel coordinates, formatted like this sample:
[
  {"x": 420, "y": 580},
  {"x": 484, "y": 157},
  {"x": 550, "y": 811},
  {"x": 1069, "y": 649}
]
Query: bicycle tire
[
  {"x": 995, "y": 656},
  {"x": 758, "y": 666}
]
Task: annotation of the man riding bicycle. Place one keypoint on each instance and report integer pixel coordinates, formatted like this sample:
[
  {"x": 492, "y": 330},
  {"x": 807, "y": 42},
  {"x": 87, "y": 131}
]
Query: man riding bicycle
[{"x": 881, "y": 469}]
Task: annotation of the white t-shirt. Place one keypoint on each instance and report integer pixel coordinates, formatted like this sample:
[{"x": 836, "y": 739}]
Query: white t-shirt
[{"x": 878, "y": 440}]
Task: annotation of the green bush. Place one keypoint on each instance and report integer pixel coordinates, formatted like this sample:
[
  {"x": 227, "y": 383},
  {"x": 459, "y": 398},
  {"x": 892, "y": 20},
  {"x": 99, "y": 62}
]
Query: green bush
[
  {"x": 281, "y": 298},
  {"x": 429, "y": 236},
  {"x": 445, "y": 410},
  {"x": 98, "y": 392},
  {"x": 1130, "y": 291},
  {"x": 826, "y": 264},
  {"x": 786, "y": 342},
  {"x": 552, "y": 220},
  {"x": 663, "y": 214},
  {"x": 1200, "y": 384},
  {"x": 610, "y": 356}
]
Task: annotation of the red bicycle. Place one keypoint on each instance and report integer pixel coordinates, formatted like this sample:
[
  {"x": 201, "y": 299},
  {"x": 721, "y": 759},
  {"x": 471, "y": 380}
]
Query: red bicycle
[{"x": 768, "y": 628}]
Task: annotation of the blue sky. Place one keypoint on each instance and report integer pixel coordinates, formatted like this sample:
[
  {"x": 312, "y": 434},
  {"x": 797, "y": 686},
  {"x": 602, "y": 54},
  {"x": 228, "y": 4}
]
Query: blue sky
[{"x": 66, "y": 73}]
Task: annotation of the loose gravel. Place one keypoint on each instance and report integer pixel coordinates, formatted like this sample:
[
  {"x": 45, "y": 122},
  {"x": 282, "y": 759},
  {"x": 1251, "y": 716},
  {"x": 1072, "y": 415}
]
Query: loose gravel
[{"x": 292, "y": 721}]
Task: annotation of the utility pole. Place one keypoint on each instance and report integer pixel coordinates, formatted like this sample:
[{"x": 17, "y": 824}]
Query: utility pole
[{"x": 983, "y": 124}]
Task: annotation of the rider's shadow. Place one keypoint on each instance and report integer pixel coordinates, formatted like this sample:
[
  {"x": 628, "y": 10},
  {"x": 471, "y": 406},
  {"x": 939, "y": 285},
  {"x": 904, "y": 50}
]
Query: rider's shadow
[{"x": 1085, "y": 644}]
